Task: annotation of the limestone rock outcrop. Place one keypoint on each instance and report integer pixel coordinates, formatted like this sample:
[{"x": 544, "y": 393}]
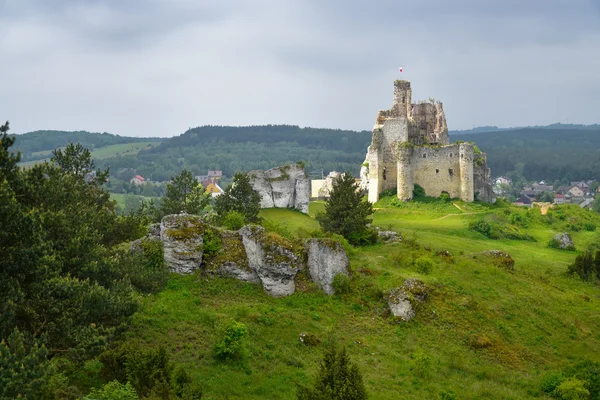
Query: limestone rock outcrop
[
  {"x": 287, "y": 186},
  {"x": 250, "y": 254},
  {"x": 182, "y": 237},
  {"x": 563, "y": 241},
  {"x": 274, "y": 261},
  {"x": 325, "y": 259},
  {"x": 403, "y": 301}
]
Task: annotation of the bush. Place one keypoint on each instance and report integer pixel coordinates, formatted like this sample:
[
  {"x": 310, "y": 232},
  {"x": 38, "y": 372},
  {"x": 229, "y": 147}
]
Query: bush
[
  {"x": 147, "y": 369},
  {"x": 424, "y": 264},
  {"x": 445, "y": 197},
  {"x": 572, "y": 389},
  {"x": 338, "y": 378},
  {"x": 586, "y": 265},
  {"x": 113, "y": 391},
  {"x": 418, "y": 191},
  {"x": 551, "y": 381},
  {"x": 234, "y": 220},
  {"x": 212, "y": 242},
  {"x": 231, "y": 344},
  {"x": 341, "y": 283}
]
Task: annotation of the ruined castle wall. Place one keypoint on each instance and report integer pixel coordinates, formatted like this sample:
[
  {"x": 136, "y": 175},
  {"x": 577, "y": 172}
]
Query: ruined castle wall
[
  {"x": 437, "y": 170},
  {"x": 482, "y": 178}
]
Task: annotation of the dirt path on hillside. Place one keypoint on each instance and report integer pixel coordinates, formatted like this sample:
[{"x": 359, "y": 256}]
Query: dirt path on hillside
[{"x": 463, "y": 212}]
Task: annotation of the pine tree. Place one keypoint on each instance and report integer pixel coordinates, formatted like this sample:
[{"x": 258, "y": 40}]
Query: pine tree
[
  {"x": 184, "y": 195},
  {"x": 347, "y": 213},
  {"x": 240, "y": 196},
  {"x": 338, "y": 378}
]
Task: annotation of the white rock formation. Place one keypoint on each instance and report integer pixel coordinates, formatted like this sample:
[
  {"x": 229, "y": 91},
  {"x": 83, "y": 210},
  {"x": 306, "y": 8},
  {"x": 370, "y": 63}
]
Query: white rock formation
[
  {"x": 275, "y": 265},
  {"x": 403, "y": 301},
  {"x": 282, "y": 187},
  {"x": 326, "y": 258},
  {"x": 182, "y": 237}
]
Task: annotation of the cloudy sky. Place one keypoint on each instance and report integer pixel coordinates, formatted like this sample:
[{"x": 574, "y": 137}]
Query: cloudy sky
[{"x": 158, "y": 67}]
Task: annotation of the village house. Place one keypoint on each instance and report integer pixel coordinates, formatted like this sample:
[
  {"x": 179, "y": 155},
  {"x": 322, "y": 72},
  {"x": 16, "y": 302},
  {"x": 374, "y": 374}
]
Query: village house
[
  {"x": 137, "y": 180},
  {"x": 583, "y": 185},
  {"x": 502, "y": 180},
  {"x": 524, "y": 201},
  {"x": 577, "y": 192},
  {"x": 213, "y": 188},
  {"x": 215, "y": 175},
  {"x": 560, "y": 198}
]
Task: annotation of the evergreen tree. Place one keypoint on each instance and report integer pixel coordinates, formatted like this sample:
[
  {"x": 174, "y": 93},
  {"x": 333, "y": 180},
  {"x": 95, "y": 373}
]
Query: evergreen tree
[
  {"x": 240, "y": 196},
  {"x": 184, "y": 195},
  {"x": 338, "y": 378},
  {"x": 347, "y": 213}
]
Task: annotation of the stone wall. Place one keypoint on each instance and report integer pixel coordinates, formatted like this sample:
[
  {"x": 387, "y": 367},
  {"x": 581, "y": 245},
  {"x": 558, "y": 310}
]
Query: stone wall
[
  {"x": 287, "y": 186},
  {"x": 410, "y": 146}
]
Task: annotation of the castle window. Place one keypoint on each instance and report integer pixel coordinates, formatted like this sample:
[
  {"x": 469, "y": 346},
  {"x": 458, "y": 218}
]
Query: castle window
[
  {"x": 451, "y": 172},
  {"x": 384, "y": 173},
  {"x": 437, "y": 171},
  {"x": 462, "y": 155},
  {"x": 450, "y": 154},
  {"x": 424, "y": 155},
  {"x": 403, "y": 99}
]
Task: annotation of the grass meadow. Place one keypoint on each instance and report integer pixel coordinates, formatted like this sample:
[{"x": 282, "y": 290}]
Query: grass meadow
[{"x": 484, "y": 333}]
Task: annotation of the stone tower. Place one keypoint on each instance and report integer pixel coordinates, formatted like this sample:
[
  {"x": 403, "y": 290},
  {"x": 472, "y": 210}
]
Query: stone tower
[{"x": 411, "y": 146}]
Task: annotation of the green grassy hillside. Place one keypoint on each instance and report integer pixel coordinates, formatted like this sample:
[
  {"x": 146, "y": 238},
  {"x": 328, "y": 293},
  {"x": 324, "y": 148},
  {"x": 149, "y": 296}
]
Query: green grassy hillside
[{"x": 484, "y": 333}]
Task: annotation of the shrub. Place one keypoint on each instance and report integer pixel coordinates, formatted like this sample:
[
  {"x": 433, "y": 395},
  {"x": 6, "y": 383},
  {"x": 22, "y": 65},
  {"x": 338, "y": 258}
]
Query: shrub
[
  {"x": 234, "y": 220},
  {"x": 341, "y": 283},
  {"x": 147, "y": 369},
  {"x": 338, "y": 378},
  {"x": 418, "y": 191},
  {"x": 551, "y": 381},
  {"x": 231, "y": 344},
  {"x": 424, "y": 264},
  {"x": 212, "y": 242},
  {"x": 586, "y": 265},
  {"x": 184, "y": 387},
  {"x": 445, "y": 197},
  {"x": 113, "y": 391},
  {"x": 389, "y": 192},
  {"x": 572, "y": 389}
]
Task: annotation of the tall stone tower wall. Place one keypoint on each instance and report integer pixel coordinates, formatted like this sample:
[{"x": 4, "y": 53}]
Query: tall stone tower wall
[{"x": 410, "y": 146}]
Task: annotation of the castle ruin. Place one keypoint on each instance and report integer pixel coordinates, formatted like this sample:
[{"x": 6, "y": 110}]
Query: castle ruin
[{"x": 411, "y": 146}]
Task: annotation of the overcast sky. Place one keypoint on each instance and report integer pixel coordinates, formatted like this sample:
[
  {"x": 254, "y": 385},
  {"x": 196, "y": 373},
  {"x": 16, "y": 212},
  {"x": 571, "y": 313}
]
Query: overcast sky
[{"x": 158, "y": 67}]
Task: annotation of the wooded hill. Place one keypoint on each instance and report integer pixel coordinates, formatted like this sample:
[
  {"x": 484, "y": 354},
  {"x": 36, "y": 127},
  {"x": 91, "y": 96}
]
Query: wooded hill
[{"x": 556, "y": 152}]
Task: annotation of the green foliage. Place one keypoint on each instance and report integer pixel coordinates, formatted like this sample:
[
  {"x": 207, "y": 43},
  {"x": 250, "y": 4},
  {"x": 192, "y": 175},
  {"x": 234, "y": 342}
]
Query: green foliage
[
  {"x": 234, "y": 220},
  {"x": 240, "y": 196},
  {"x": 572, "y": 389},
  {"x": 445, "y": 197},
  {"x": 113, "y": 391},
  {"x": 184, "y": 195},
  {"x": 23, "y": 369},
  {"x": 231, "y": 345},
  {"x": 347, "y": 213},
  {"x": 586, "y": 265},
  {"x": 495, "y": 227},
  {"x": 212, "y": 242},
  {"x": 341, "y": 284},
  {"x": 147, "y": 369},
  {"x": 338, "y": 378},
  {"x": 550, "y": 382},
  {"x": 418, "y": 191},
  {"x": 424, "y": 265}
]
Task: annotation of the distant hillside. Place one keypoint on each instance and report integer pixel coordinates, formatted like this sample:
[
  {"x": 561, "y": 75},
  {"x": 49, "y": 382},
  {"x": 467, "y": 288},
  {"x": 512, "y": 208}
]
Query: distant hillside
[
  {"x": 232, "y": 149},
  {"x": 480, "y": 129},
  {"x": 558, "y": 151},
  {"x": 546, "y": 153},
  {"x": 38, "y": 145}
]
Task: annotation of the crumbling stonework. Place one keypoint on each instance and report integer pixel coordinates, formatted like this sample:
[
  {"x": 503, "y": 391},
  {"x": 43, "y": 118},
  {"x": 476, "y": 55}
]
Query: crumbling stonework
[
  {"x": 411, "y": 146},
  {"x": 287, "y": 186}
]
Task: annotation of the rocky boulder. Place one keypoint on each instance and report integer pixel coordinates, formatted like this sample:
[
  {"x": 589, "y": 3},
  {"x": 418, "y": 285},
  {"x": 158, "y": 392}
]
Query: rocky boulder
[
  {"x": 274, "y": 260},
  {"x": 404, "y": 301},
  {"x": 499, "y": 258},
  {"x": 562, "y": 241},
  {"x": 231, "y": 261},
  {"x": 389, "y": 236},
  {"x": 325, "y": 259},
  {"x": 182, "y": 237},
  {"x": 287, "y": 186}
]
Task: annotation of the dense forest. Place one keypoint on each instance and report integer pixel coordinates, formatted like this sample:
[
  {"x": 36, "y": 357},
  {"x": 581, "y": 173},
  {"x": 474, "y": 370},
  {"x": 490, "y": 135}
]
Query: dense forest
[{"x": 550, "y": 154}]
